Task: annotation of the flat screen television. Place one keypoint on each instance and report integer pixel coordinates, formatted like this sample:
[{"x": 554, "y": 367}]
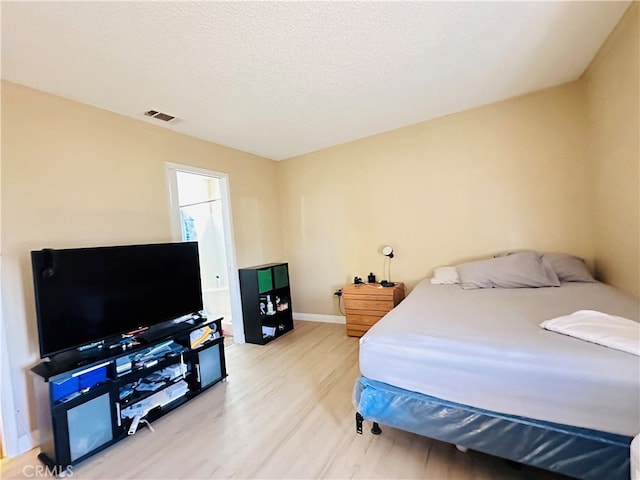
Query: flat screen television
[{"x": 86, "y": 295}]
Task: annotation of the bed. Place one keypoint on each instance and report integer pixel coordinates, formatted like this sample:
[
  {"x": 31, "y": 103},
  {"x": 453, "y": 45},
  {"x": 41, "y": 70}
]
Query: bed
[{"x": 473, "y": 367}]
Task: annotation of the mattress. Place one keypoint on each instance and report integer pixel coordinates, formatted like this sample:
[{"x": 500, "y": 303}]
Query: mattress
[{"x": 484, "y": 348}]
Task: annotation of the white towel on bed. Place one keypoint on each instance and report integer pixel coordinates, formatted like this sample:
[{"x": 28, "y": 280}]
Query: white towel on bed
[{"x": 597, "y": 327}]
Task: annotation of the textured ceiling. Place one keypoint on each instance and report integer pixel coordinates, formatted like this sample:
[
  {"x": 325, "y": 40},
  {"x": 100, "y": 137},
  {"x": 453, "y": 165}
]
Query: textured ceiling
[{"x": 279, "y": 79}]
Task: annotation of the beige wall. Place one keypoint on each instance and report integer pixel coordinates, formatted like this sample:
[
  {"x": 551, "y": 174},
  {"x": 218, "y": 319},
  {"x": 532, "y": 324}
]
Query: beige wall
[
  {"x": 613, "y": 86},
  {"x": 508, "y": 175},
  {"x": 75, "y": 175}
]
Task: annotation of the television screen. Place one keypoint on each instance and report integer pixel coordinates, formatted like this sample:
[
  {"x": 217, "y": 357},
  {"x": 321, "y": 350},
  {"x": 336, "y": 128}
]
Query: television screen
[{"x": 85, "y": 295}]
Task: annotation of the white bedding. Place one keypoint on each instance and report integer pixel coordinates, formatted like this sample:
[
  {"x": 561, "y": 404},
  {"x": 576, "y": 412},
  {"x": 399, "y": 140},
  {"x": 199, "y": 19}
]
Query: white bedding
[
  {"x": 598, "y": 327},
  {"x": 484, "y": 348}
]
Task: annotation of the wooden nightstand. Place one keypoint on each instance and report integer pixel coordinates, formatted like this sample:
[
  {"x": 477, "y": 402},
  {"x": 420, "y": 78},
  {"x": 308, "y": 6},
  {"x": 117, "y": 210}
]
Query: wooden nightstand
[{"x": 366, "y": 303}]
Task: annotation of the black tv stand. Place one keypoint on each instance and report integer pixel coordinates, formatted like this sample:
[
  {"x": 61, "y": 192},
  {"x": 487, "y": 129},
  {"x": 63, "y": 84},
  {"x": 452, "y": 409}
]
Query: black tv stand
[
  {"x": 92, "y": 399},
  {"x": 76, "y": 358}
]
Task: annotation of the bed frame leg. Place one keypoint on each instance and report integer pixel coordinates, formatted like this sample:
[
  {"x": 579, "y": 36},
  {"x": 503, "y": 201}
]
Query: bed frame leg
[{"x": 359, "y": 419}]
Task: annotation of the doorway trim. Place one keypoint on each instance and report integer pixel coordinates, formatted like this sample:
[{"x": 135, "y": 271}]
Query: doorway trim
[
  {"x": 9, "y": 436},
  {"x": 176, "y": 233}
]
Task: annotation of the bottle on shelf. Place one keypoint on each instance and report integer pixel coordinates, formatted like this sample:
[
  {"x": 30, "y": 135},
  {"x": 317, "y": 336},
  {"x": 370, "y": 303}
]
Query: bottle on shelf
[{"x": 270, "y": 310}]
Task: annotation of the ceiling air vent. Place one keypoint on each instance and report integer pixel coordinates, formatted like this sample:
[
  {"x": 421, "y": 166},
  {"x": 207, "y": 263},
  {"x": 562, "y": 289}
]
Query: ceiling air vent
[{"x": 161, "y": 116}]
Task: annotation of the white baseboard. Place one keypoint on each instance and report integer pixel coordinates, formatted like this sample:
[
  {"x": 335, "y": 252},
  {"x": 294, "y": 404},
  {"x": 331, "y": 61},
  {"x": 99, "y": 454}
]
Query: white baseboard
[{"x": 314, "y": 317}]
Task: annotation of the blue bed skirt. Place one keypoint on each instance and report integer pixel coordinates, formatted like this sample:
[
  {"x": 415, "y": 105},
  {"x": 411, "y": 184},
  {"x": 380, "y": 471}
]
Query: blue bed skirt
[{"x": 573, "y": 451}]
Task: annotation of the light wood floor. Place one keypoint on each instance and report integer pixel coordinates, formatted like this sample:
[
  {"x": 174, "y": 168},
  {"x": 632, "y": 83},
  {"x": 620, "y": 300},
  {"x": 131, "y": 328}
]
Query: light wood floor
[{"x": 285, "y": 411}]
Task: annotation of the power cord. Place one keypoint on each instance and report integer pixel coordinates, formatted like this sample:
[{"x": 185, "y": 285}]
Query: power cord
[
  {"x": 146, "y": 422},
  {"x": 338, "y": 293}
]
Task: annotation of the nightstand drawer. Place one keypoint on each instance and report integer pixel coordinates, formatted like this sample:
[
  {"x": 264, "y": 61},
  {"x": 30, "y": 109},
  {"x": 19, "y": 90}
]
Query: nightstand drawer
[
  {"x": 357, "y": 330},
  {"x": 362, "y": 319},
  {"x": 369, "y": 292},
  {"x": 356, "y": 302}
]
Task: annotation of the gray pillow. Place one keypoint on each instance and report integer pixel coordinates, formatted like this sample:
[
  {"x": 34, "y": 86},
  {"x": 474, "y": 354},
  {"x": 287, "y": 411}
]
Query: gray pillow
[
  {"x": 569, "y": 268},
  {"x": 504, "y": 253},
  {"x": 518, "y": 270}
]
